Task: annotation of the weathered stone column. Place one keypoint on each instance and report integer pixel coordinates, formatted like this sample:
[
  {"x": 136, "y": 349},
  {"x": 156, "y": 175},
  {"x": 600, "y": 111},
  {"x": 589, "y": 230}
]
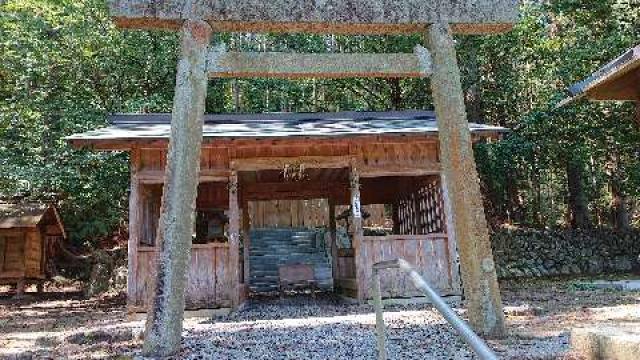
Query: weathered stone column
[
  {"x": 462, "y": 183},
  {"x": 234, "y": 240},
  {"x": 166, "y": 310}
]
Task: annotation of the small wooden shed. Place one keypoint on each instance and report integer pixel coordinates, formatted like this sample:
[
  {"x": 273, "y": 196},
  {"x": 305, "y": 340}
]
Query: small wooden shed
[{"x": 28, "y": 234}]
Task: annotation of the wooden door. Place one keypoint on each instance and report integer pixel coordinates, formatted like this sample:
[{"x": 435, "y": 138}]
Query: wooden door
[{"x": 13, "y": 254}]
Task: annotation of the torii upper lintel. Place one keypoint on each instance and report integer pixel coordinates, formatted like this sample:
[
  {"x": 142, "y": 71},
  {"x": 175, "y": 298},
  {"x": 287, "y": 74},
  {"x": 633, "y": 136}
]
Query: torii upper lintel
[{"x": 320, "y": 16}]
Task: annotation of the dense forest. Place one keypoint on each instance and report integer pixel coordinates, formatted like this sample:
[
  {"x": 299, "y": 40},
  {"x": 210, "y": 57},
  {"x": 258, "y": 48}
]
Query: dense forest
[{"x": 64, "y": 67}]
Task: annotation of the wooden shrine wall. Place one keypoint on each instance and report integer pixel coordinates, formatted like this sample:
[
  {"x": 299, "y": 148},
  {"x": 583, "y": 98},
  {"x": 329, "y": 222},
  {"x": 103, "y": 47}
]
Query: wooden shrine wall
[
  {"x": 153, "y": 160},
  {"x": 374, "y": 157},
  {"x": 304, "y": 213},
  {"x": 430, "y": 254},
  {"x": 406, "y": 155},
  {"x": 208, "y": 284},
  {"x": 389, "y": 153}
]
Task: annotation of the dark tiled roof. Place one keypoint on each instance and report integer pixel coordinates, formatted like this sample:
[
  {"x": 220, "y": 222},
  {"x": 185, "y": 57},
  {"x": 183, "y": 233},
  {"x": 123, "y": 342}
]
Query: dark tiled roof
[
  {"x": 627, "y": 64},
  {"x": 277, "y": 125}
]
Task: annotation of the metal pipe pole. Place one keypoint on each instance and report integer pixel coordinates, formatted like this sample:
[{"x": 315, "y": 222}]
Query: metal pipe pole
[
  {"x": 477, "y": 344},
  {"x": 380, "y": 328}
]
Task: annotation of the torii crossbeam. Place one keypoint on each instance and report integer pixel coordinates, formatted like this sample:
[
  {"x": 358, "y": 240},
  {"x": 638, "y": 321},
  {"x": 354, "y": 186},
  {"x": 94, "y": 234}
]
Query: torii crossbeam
[{"x": 438, "y": 20}]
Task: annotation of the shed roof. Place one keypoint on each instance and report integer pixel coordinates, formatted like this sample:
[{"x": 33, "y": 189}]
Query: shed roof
[
  {"x": 25, "y": 215},
  {"x": 134, "y": 127},
  {"x": 617, "y": 80}
]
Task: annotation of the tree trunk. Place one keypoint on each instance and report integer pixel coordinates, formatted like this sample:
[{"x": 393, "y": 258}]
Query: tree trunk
[
  {"x": 514, "y": 203},
  {"x": 620, "y": 217},
  {"x": 619, "y": 205},
  {"x": 166, "y": 309},
  {"x": 578, "y": 209},
  {"x": 472, "y": 95},
  {"x": 236, "y": 96},
  {"x": 461, "y": 180},
  {"x": 396, "y": 94}
]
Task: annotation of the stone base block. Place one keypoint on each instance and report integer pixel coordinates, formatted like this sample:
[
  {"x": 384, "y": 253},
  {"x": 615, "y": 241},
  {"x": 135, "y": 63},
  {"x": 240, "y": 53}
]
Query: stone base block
[{"x": 607, "y": 343}]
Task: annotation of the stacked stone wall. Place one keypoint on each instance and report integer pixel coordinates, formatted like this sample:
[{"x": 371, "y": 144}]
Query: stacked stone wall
[{"x": 539, "y": 253}]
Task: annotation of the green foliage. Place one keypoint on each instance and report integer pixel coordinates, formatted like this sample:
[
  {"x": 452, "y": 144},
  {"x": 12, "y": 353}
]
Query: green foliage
[
  {"x": 61, "y": 72},
  {"x": 524, "y": 74},
  {"x": 65, "y": 66}
]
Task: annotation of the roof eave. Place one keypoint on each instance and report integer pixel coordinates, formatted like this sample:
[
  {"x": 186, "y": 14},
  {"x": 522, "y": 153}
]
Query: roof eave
[{"x": 607, "y": 74}]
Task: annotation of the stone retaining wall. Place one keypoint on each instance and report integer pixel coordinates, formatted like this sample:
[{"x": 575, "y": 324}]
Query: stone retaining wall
[{"x": 539, "y": 253}]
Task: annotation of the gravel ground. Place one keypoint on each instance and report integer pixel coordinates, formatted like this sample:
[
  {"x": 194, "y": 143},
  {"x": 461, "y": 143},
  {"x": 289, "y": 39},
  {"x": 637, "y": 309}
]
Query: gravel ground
[
  {"x": 540, "y": 315},
  {"x": 325, "y": 328}
]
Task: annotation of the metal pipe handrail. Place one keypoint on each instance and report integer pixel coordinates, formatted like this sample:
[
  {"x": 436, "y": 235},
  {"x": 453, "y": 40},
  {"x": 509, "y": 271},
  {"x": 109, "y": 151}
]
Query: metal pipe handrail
[{"x": 470, "y": 337}]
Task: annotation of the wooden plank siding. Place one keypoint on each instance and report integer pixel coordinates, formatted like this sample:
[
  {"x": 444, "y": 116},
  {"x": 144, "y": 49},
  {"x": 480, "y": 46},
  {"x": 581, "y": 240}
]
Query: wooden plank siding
[
  {"x": 208, "y": 277},
  {"x": 429, "y": 254},
  {"x": 13, "y": 257},
  {"x": 375, "y": 155},
  {"x": 394, "y": 170},
  {"x": 305, "y": 213},
  {"x": 33, "y": 254}
]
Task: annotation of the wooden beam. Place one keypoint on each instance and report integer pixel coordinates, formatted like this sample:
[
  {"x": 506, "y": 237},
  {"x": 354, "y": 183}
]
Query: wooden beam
[
  {"x": 278, "y": 163},
  {"x": 251, "y": 188},
  {"x": 157, "y": 176},
  {"x": 224, "y": 64},
  {"x": 329, "y": 17},
  {"x": 391, "y": 170}
]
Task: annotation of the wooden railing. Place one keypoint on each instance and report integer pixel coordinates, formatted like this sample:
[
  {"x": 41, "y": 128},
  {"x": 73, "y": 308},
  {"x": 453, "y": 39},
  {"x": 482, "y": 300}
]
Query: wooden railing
[{"x": 430, "y": 254}]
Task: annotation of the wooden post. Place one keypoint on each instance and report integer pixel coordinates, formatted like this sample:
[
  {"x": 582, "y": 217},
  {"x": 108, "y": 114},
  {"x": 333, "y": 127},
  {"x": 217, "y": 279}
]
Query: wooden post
[
  {"x": 21, "y": 285},
  {"x": 452, "y": 243},
  {"x": 234, "y": 241},
  {"x": 135, "y": 221},
  {"x": 333, "y": 238},
  {"x": 246, "y": 229},
  {"x": 415, "y": 206},
  {"x": 395, "y": 217},
  {"x": 357, "y": 234},
  {"x": 478, "y": 270},
  {"x": 166, "y": 312}
]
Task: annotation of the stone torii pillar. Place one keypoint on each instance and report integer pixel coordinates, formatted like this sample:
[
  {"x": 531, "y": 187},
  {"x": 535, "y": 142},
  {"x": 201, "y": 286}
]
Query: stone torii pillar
[
  {"x": 463, "y": 185},
  {"x": 194, "y": 18},
  {"x": 166, "y": 309}
]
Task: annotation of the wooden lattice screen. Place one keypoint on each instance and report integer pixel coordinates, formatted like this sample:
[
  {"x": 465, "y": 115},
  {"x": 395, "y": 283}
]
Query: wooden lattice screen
[{"x": 422, "y": 211}]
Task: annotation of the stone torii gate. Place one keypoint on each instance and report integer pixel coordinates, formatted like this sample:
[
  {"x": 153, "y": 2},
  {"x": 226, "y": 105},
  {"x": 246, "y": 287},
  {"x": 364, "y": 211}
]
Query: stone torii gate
[{"x": 196, "y": 20}]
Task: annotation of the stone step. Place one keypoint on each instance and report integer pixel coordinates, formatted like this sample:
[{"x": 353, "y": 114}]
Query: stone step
[{"x": 271, "y": 248}]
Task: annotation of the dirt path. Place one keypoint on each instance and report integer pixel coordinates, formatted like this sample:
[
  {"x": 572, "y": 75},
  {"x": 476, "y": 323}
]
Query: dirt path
[{"x": 540, "y": 315}]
